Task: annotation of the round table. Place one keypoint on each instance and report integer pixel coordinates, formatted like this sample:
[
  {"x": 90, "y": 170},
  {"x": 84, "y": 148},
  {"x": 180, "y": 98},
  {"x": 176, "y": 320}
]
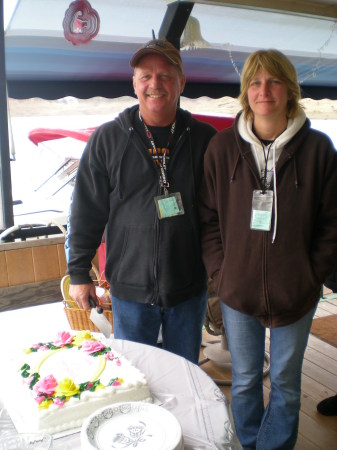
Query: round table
[{"x": 176, "y": 384}]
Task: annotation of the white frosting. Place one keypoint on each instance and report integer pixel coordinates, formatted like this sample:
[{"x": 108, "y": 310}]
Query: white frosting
[{"x": 80, "y": 367}]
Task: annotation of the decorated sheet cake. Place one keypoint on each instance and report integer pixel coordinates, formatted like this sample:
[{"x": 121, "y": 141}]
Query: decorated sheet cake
[{"x": 66, "y": 380}]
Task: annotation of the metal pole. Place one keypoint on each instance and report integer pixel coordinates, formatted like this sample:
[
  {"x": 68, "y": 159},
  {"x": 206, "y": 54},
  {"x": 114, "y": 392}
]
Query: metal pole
[{"x": 6, "y": 200}]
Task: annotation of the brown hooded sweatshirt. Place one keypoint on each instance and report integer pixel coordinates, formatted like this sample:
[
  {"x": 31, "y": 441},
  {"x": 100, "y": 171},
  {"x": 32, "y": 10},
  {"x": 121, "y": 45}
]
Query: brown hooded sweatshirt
[{"x": 277, "y": 281}]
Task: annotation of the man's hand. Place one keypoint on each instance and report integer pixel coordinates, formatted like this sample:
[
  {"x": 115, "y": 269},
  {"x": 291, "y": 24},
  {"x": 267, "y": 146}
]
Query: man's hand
[{"x": 80, "y": 294}]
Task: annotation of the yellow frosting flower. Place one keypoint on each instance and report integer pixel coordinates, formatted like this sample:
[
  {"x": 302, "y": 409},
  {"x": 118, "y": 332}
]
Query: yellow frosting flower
[
  {"x": 100, "y": 386},
  {"x": 45, "y": 404},
  {"x": 67, "y": 388},
  {"x": 82, "y": 336},
  {"x": 27, "y": 351}
]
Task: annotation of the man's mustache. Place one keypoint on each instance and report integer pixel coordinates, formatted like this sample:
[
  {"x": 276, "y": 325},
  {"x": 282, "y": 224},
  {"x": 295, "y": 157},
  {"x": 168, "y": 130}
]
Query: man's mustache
[{"x": 155, "y": 93}]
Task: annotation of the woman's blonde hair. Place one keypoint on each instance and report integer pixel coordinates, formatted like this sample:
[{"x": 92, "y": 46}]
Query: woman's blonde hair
[{"x": 276, "y": 64}]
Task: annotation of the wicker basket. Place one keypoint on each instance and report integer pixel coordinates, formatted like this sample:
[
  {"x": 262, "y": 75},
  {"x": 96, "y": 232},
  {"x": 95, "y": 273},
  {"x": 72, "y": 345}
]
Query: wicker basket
[{"x": 79, "y": 319}]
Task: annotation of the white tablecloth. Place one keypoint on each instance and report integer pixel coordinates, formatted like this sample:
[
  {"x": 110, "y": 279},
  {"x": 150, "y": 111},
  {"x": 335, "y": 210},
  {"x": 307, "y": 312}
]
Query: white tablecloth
[{"x": 180, "y": 386}]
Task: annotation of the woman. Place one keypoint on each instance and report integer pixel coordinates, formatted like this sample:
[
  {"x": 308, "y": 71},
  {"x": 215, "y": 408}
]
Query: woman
[{"x": 269, "y": 215}]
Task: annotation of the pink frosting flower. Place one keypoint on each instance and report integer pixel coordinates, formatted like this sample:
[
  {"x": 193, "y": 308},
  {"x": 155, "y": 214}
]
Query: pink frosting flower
[
  {"x": 44, "y": 348},
  {"x": 109, "y": 355},
  {"x": 63, "y": 338},
  {"x": 46, "y": 386},
  {"x": 90, "y": 346},
  {"x": 116, "y": 383},
  {"x": 118, "y": 362},
  {"x": 59, "y": 402},
  {"x": 40, "y": 399}
]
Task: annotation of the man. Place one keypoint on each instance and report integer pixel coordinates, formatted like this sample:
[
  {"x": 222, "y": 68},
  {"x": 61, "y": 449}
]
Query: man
[{"x": 138, "y": 180}]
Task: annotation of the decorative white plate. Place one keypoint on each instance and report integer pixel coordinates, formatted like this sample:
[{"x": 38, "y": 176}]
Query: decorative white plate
[
  {"x": 132, "y": 425},
  {"x": 26, "y": 441}
]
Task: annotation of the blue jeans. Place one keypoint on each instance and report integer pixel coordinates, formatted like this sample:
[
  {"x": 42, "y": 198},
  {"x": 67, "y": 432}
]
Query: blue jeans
[
  {"x": 276, "y": 426},
  {"x": 181, "y": 324}
]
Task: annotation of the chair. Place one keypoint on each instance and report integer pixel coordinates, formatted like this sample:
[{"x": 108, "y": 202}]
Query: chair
[{"x": 217, "y": 351}]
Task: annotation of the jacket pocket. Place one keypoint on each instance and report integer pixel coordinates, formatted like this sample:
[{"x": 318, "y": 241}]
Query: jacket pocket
[
  {"x": 136, "y": 261},
  {"x": 179, "y": 255}
]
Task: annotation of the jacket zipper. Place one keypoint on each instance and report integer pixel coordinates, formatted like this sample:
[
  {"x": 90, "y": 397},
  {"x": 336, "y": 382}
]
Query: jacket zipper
[
  {"x": 265, "y": 288},
  {"x": 155, "y": 263},
  {"x": 157, "y": 232},
  {"x": 156, "y": 247},
  {"x": 264, "y": 252},
  {"x": 157, "y": 229},
  {"x": 156, "y": 226}
]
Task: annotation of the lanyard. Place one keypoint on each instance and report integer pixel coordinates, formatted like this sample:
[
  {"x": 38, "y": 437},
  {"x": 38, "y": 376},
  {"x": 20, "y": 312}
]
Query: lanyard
[
  {"x": 266, "y": 158},
  {"x": 162, "y": 163}
]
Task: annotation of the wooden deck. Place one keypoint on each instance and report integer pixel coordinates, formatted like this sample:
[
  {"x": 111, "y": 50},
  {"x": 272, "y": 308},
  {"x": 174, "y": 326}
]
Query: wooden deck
[{"x": 319, "y": 380}]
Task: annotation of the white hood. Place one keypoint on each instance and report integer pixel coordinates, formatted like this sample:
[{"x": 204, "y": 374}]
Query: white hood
[
  {"x": 246, "y": 132},
  {"x": 245, "y": 128}
]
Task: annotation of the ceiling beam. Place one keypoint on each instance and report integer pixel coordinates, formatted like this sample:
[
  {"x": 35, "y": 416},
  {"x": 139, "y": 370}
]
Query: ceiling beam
[
  {"x": 319, "y": 8},
  {"x": 174, "y": 22}
]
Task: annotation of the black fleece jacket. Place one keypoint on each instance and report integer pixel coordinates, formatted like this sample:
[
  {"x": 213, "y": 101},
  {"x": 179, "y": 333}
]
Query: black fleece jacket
[{"x": 148, "y": 260}]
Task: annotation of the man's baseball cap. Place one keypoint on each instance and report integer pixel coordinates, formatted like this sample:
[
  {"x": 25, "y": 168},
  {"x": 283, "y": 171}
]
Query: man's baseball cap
[{"x": 159, "y": 47}]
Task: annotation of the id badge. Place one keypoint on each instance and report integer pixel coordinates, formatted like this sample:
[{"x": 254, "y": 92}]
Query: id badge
[
  {"x": 169, "y": 205},
  {"x": 262, "y": 207}
]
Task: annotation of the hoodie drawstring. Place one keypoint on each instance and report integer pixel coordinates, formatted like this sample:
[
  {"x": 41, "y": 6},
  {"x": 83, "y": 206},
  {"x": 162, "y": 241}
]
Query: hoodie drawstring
[
  {"x": 120, "y": 192},
  {"x": 191, "y": 160},
  {"x": 235, "y": 167},
  {"x": 275, "y": 198},
  {"x": 295, "y": 172}
]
